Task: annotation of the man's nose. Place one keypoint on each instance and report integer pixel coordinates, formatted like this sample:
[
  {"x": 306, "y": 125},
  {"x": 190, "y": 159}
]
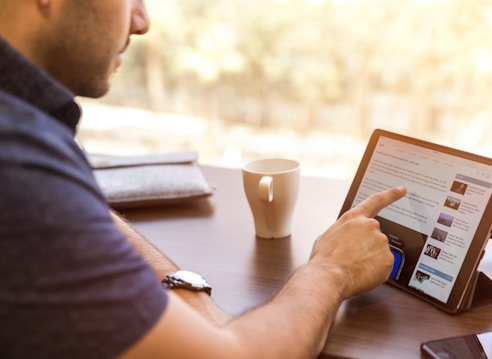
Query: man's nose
[{"x": 140, "y": 22}]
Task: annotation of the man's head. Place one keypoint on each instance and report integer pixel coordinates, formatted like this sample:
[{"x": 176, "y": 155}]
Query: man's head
[{"x": 78, "y": 42}]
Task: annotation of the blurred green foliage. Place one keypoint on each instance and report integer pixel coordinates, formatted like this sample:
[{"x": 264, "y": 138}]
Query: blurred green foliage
[{"x": 340, "y": 65}]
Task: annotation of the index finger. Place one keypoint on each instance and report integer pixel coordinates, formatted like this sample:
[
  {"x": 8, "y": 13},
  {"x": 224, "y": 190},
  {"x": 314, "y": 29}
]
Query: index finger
[{"x": 371, "y": 206}]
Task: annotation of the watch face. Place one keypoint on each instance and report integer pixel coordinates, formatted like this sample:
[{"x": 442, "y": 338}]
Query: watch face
[
  {"x": 187, "y": 280},
  {"x": 190, "y": 277}
]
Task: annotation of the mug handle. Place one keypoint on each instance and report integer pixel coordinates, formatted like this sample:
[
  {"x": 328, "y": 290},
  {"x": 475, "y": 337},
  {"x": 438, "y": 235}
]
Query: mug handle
[{"x": 265, "y": 189}]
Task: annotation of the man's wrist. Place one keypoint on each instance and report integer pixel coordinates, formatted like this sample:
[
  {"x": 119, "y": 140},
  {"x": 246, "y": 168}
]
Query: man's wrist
[{"x": 332, "y": 275}]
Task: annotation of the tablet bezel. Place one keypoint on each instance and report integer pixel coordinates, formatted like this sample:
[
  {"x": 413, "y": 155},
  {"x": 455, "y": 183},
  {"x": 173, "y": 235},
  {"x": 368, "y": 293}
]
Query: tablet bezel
[{"x": 456, "y": 300}]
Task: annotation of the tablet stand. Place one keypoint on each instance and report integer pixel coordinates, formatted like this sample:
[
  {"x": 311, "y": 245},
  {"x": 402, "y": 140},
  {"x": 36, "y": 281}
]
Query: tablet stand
[{"x": 480, "y": 292}]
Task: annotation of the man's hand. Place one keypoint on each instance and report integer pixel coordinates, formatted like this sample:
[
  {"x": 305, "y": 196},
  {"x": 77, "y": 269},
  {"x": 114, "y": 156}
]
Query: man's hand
[{"x": 356, "y": 245}]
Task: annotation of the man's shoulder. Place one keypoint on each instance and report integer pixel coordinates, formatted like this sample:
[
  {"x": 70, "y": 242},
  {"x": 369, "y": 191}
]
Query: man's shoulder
[
  {"x": 12, "y": 103},
  {"x": 25, "y": 128},
  {"x": 17, "y": 113}
]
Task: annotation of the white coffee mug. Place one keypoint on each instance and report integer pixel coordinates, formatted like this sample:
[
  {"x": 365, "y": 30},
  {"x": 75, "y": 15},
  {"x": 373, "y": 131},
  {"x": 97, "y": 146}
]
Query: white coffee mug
[{"x": 272, "y": 187}]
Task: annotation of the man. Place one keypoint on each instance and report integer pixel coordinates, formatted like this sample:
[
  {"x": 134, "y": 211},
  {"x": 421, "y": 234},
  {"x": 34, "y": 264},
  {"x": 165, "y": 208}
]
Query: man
[{"x": 74, "y": 281}]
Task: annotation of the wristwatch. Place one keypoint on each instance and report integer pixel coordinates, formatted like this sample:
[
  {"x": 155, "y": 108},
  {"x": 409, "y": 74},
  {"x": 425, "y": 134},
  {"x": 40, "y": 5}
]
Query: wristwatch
[{"x": 187, "y": 280}]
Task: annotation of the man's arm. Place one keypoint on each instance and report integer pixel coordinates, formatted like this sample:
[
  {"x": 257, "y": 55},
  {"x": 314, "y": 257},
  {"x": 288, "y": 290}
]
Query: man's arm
[
  {"x": 162, "y": 266},
  {"x": 350, "y": 258}
]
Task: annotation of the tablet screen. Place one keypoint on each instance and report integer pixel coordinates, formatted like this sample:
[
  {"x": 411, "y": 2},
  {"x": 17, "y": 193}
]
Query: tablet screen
[{"x": 438, "y": 231}]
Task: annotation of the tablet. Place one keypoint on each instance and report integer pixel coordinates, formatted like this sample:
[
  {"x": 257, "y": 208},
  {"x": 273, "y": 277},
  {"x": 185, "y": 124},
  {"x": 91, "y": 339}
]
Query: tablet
[{"x": 438, "y": 232}]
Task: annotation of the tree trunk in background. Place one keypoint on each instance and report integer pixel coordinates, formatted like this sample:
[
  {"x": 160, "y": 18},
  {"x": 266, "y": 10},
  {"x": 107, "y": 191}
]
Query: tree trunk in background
[
  {"x": 421, "y": 94},
  {"x": 360, "y": 97},
  {"x": 154, "y": 76}
]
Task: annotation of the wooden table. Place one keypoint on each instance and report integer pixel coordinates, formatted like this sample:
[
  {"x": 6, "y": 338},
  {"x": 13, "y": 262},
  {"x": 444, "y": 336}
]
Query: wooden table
[{"x": 215, "y": 237}]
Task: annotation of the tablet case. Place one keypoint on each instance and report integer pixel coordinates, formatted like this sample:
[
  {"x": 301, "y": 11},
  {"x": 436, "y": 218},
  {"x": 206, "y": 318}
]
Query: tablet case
[
  {"x": 150, "y": 180},
  {"x": 479, "y": 294}
]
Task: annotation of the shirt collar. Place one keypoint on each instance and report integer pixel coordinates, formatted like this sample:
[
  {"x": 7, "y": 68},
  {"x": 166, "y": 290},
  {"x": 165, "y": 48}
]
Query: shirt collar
[{"x": 21, "y": 78}]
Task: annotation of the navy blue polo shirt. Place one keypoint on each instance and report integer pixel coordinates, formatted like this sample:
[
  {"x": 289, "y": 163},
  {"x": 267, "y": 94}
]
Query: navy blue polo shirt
[{"x": 70, "y": 284}]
